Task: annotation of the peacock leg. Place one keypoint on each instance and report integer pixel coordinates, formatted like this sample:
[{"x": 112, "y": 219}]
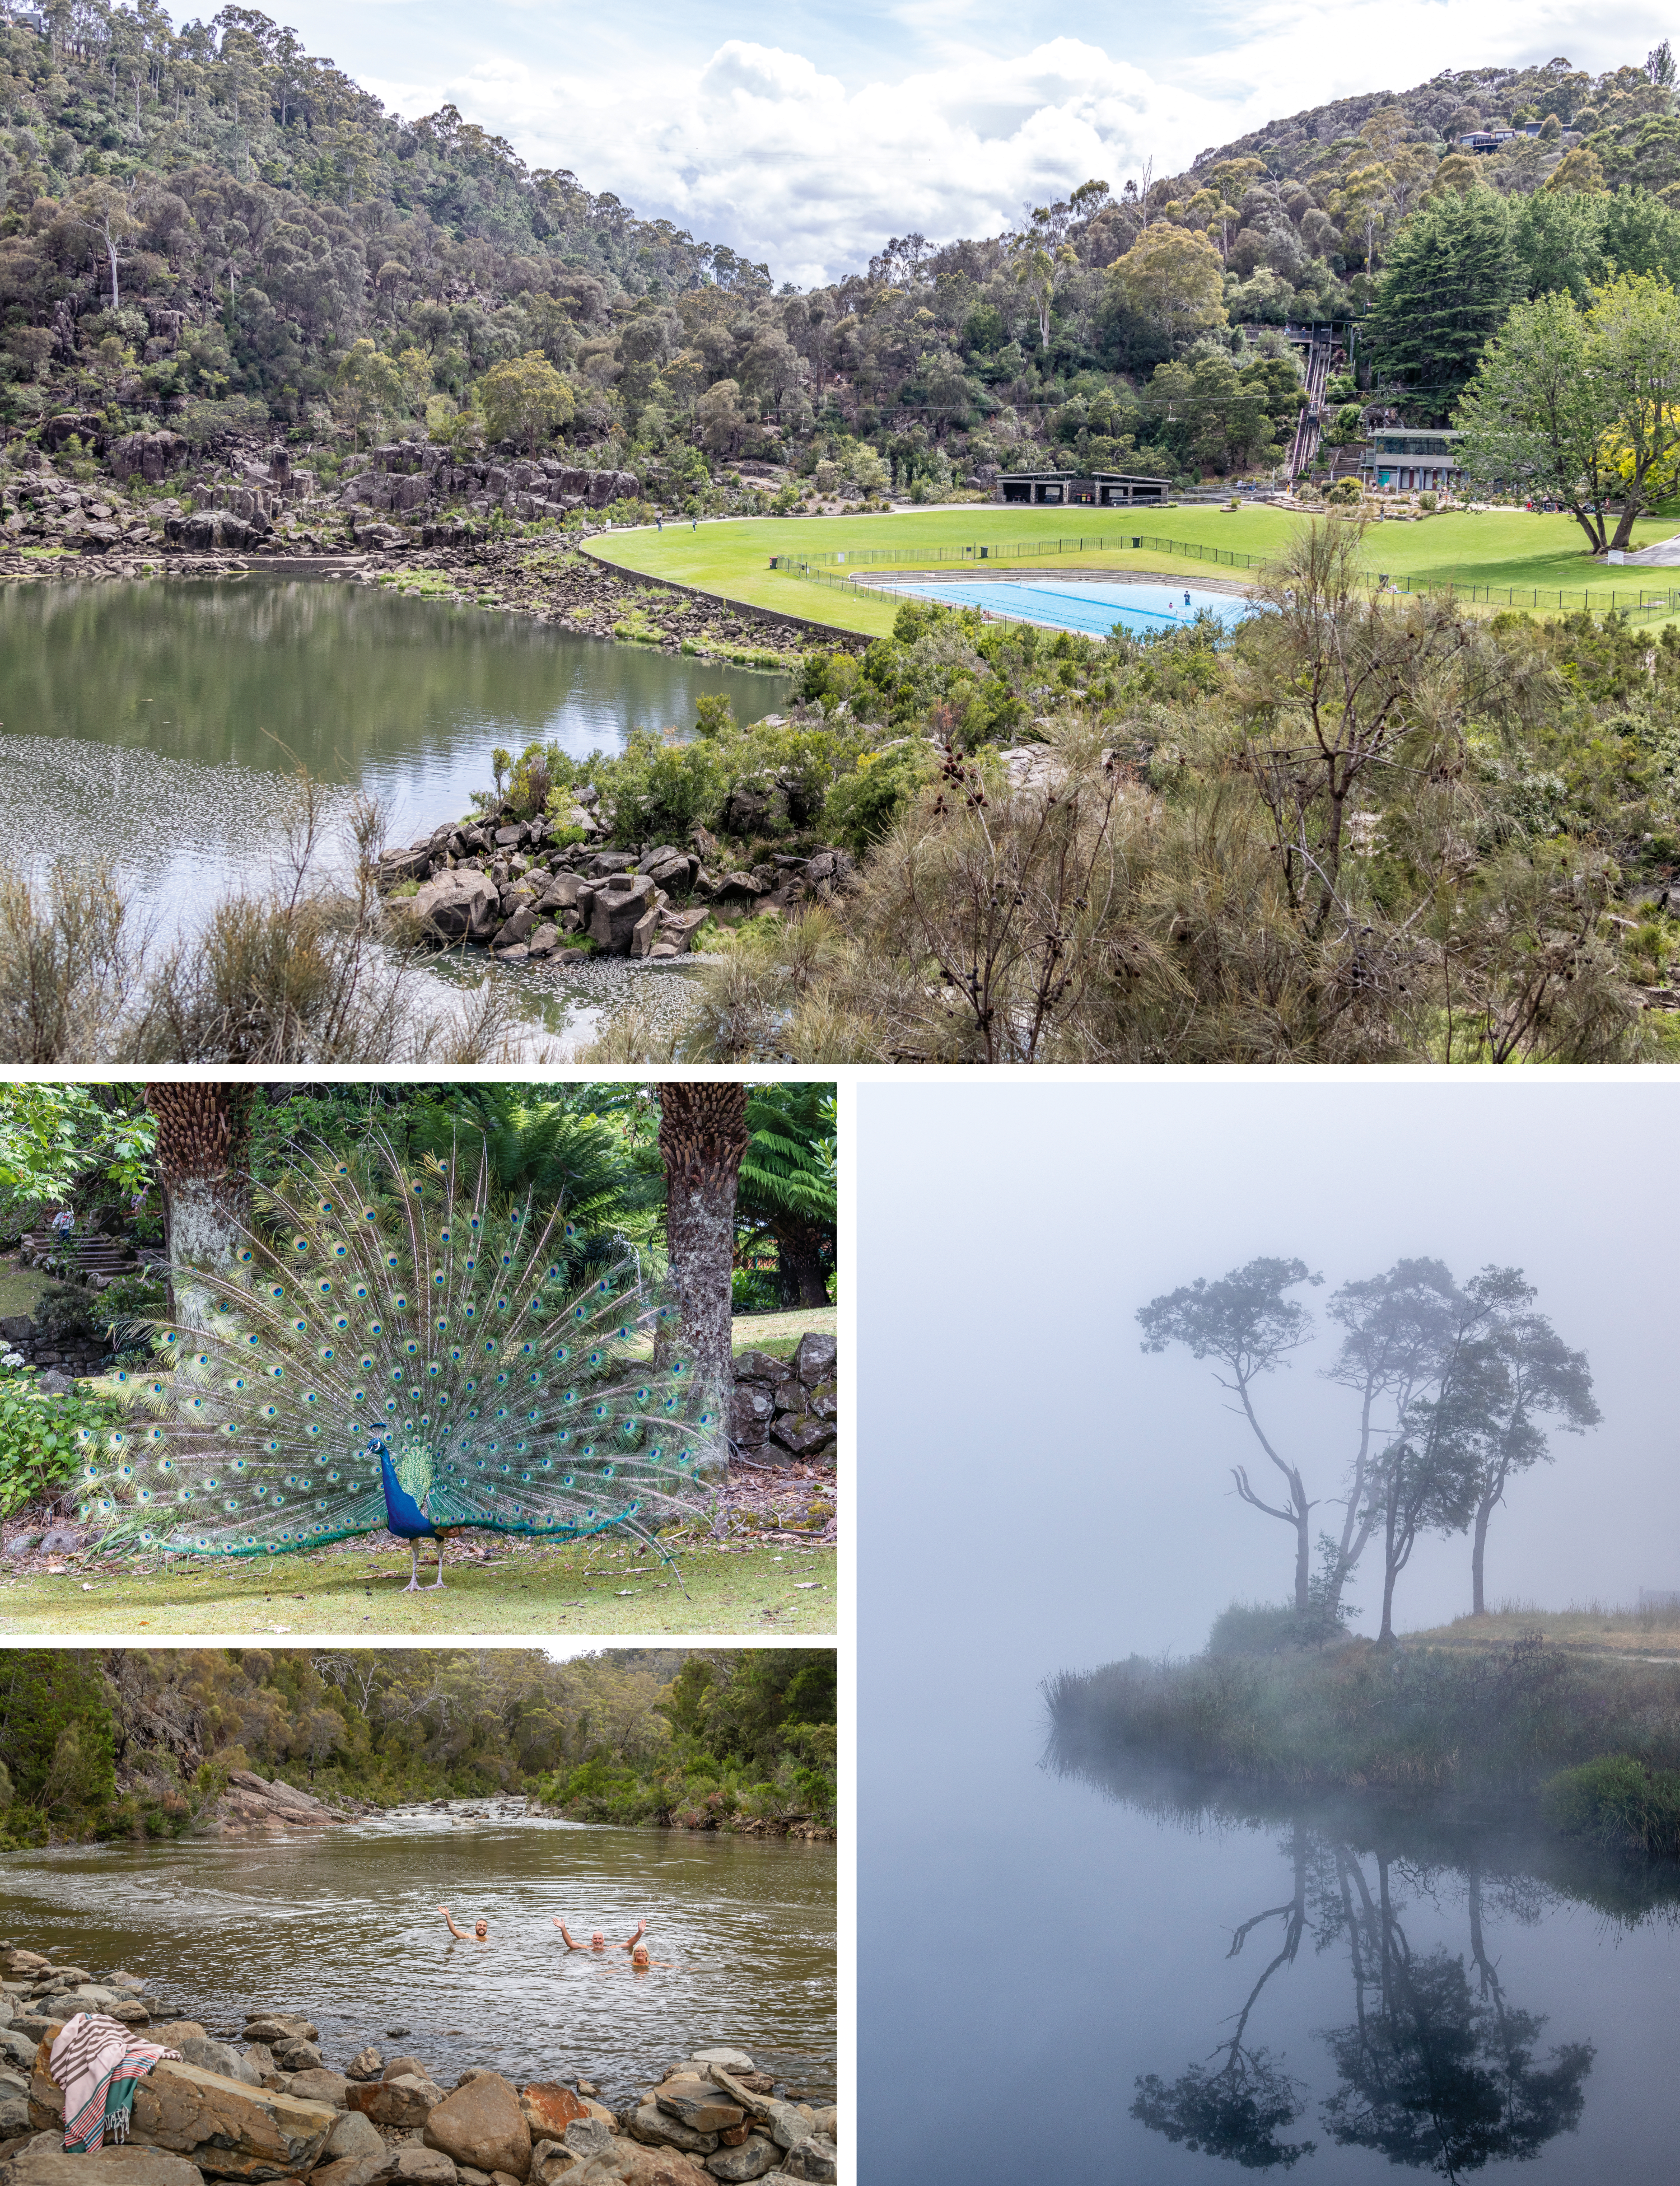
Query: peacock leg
[
  {"x": 437, "y": 1581},
  {"x": 413, "y": 1586}
]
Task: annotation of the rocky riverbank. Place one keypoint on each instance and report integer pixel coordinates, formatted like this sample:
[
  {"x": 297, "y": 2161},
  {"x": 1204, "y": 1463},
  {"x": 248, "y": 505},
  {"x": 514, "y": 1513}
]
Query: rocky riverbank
[{"x": 270, "y": 2105}]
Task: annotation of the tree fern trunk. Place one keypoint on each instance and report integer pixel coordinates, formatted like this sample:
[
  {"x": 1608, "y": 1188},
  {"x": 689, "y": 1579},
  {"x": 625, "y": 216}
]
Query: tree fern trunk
[
  {"x": 204, "y": 1135},
  {"x": 702, "y": 1136},
  {"x": 798, "y": 1251}
]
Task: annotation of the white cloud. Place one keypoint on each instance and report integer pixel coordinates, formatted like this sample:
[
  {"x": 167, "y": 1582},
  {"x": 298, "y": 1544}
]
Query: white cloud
[{"x": 759, "y": 147}]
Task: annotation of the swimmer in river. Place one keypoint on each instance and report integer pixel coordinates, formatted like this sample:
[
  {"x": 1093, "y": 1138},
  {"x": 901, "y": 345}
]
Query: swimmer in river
[
  {"x": 597, "y": 1941},
  {"x": 480, "y": 1929}
]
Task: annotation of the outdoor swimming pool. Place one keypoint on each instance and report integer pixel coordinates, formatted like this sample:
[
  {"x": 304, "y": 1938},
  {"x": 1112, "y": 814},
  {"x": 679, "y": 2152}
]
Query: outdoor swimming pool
[{"x": 1094, "y": 609}]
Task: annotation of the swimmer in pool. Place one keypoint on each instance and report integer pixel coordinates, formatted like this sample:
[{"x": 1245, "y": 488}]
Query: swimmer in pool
[
  {"x": 597, "y": 1941},
  {"x": 1186, "y": 599},
  {"x": 480, "y": 1929}
]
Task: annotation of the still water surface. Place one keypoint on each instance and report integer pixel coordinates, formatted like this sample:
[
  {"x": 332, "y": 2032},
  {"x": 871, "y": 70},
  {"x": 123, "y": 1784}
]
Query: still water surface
[
  {"x": 159, "y": 726},
  {"x": 1090, "y": 1974},
  {"x": 343, "y": 1926}
]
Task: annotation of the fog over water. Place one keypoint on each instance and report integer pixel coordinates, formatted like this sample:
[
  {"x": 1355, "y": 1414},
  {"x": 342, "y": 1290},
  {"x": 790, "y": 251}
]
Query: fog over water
[{"x": 1035, "y": 1493}]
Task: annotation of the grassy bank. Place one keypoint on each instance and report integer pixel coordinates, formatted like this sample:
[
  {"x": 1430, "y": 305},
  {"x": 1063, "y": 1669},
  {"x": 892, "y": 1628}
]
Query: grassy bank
[
  {"x": 1639, "y": 1634},
  {"x": 1495, "y": 1723},
  {"x": 590, "y": 1588},
  {"x": 1510, "y": 551}
]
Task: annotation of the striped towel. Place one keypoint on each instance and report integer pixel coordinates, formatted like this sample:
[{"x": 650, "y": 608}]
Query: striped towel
[{"x": 96, "y": 2061}]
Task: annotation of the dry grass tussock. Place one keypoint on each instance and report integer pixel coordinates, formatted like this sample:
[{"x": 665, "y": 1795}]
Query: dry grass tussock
[{"x": 294, "y": 971}]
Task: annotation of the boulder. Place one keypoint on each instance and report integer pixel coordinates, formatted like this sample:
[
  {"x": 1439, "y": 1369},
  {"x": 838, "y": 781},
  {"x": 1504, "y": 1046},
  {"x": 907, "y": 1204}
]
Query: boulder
[
  {"x": 644, "y": 933},
  {"x": 413, "y": 864},
  {"x": 734, "y": 888},
  {"x": 354, "y": 2170},
  {"x": 366, "y": 2065},
  {"x": 229, "y": 2130},
  {"x": 566, "y": 892},
  {"x": 217, "y": 2057},
  {"x": 410, "y": 2066},
  {"x": 756, "y": 2155},
  {"x": 681, "y": 926},
  {"x": 517, "y": 927},
  {"x": 813, "y": 2159},
  {"x": 422, "y": 2166},
  {"x": 17, "y": 1962},
  {"x": 669, "y": 867},
  {"x": 802, "y": 1434},
  {"x": 618, "y": 909},
  {"x": 697, "y": 2104},
  {"x": 544, "y": 942},
  {"x": 549, "y": 2108},
  {"x": 633, "y": 2165},
  {"x": 754, "y": 1366},
  {"x": 457, "y": 906},
  {"x": 407, "y": 2101},
  {"x": 814, "y": 1358},
  {"x": 482, "y": 2124},
  {"x": 650, "y": 2125},
  {"x": 124, "y": 2164},
  {"x": 353, "y": 2136},
  {"x": 316, "y": 2084}
]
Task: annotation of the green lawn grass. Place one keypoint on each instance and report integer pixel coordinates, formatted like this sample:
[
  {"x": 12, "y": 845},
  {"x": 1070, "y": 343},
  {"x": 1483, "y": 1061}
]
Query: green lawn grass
[
  {"x": 586, "y": 1588},
  {"x": 21, "y": 1289},
  {"x": 1509, "y": 549}
]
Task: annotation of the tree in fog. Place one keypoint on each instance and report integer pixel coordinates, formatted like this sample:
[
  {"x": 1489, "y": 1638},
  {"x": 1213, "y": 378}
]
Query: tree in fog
[
  {"x": 1248, "y": 1323},
  {"x": 1541, "y": 1379}
]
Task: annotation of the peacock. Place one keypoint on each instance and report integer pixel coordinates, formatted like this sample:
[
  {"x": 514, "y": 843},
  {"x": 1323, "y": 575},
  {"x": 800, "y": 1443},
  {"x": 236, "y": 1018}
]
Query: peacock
[{"x": 390, "y": 1348}]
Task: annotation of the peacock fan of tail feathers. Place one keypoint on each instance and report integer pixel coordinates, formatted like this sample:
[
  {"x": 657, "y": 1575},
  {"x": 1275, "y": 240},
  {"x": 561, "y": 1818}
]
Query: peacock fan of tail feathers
[{"x": 389, "y": 1349}]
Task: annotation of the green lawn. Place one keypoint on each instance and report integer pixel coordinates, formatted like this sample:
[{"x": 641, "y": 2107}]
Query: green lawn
[
  {"x": 529, "y": 1590},
  {"x": 20, "y": 1288},
  {"x": 1511, "y": 550}
]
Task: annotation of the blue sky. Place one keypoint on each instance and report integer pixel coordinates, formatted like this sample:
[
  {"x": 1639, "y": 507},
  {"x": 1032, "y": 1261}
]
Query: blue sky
[{"x": 805, "y": 134}]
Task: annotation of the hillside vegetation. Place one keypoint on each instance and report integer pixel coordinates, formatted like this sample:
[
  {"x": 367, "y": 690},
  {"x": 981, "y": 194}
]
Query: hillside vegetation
[{"x": 114, "y": 1742}]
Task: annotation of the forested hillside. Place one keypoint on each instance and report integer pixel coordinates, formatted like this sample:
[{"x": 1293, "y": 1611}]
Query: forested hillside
[
  {"x": 208, "y": 230},
  {"x": 120, "y": 1741}
]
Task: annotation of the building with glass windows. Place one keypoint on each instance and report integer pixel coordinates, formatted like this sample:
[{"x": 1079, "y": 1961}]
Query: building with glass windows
[{"x": 1410, "y": 459}]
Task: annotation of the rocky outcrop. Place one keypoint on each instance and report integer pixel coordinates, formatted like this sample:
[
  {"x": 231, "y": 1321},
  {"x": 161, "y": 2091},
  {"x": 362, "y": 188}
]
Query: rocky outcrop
[
  {"x": 410, "y": 479},
  {"x": 786, "y": 1408},
  {"x": 250, "y": 1804},
  {"x": 228, "y": 2128},
  {"x": 510, "y": 884},
  {"x": 148, "y": 456}
]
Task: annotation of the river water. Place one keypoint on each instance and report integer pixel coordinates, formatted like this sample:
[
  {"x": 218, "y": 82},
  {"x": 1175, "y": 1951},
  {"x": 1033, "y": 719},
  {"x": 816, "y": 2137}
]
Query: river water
[
  {"x": 342, "y": 1926},
  {"x": 1101, "y": 1976},
  {"x": 159, "y": 726}
]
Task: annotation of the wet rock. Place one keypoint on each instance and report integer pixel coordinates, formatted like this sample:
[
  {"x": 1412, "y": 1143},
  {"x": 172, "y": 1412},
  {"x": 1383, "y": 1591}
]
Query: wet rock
[
  {"x": 276, "y": 2029},
  {"x": 366, "y": 2065},
  {"x": 544, "y": 942},
  {"x": 482, "y": 2124}
]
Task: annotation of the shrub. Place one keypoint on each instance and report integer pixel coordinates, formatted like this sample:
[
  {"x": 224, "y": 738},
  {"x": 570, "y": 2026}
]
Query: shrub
[
  {"x": 863, "y": 806},
  {"x": 1618, "y": 1803},
  {"x": 1345, "y": 493},
  {"x": 41, "y": 1438}
]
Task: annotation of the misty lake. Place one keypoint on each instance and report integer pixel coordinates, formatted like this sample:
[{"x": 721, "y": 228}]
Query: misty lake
[{"x": 1165, "y": 1989}]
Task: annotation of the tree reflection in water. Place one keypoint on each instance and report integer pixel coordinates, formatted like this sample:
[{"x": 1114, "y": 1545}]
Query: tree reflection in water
[{"x": 1438, "y": 2069}]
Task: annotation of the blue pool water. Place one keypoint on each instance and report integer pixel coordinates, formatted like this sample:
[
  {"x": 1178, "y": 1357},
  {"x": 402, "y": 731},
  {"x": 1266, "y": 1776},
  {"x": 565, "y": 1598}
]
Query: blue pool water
[{"x": 1094, "y": 609}]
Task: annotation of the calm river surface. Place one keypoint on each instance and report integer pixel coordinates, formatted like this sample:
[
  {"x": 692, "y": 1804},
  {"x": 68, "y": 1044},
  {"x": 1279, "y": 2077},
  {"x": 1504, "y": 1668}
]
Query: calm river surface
[
  {"x": 158, "y": 725},
  {"x": 343, "y": 1926},
  {"x": 1172, "y": 1993}
]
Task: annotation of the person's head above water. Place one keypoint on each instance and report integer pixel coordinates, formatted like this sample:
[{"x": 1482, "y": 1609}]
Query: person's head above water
[
  {"x": 481, "y": 1927},
  {"x": 597, "y": 1941},
  {"x": 639, "y": 1956}
]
